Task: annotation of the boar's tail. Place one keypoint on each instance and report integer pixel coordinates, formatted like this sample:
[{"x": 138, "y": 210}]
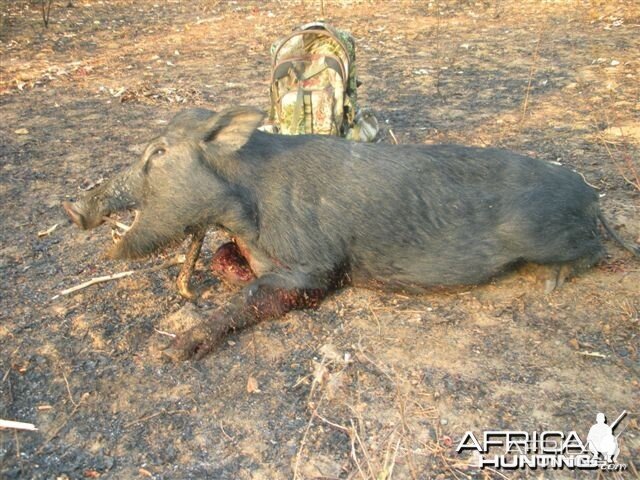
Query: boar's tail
[{"x": 635, "y": 249}]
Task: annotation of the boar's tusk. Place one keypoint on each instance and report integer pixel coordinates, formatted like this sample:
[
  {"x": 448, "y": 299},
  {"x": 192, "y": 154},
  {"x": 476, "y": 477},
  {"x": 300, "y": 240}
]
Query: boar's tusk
[{"x": 118, "y": 224}]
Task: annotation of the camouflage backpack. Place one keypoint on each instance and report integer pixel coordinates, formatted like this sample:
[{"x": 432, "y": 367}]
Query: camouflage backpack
[{"x": 313, "y": 85}]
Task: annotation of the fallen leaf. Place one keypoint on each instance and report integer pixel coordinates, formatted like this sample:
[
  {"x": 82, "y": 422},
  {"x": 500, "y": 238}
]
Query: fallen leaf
[
  {"x": 252, "y": 385},
  {"x": 320, "y": 372},
  {"x": 22, "y": 131},
  {"x": 330, "y": 352}
]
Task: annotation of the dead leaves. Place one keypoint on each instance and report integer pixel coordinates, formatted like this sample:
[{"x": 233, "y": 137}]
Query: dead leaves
[
  {"x": 29, "y": 79},
  {"x": 330, "y": 372},
  {"x": 147, "y": 93},
  {"x": 252, "y": 385}
]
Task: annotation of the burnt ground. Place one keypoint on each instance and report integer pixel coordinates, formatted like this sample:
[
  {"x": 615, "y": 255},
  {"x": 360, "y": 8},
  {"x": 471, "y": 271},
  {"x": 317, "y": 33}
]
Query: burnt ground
[{"x": 372, "y": 384}]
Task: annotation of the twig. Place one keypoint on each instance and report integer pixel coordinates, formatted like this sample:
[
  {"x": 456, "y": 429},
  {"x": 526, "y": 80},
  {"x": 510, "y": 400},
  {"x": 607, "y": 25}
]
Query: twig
[
  {"x": 57, "y": 430},
  {"x": 49, "y": 231},
  {"x": 94, "y": 281},
  {"x": 46, "y": 11},
  {"x": 167, "y": 334},
  {"x": 303, "y": 442},
  {"x": 531, "y": 72},
  {"x": 229, "y": 437},
  {"x": 17, "y": 425},
  {"x": 334, "y": 425},
  {"x": 153, "y": 415},
  {"x": 17, "y": 440},
  {"x": 395, "y": 140},
  {"x": 634, "y": 183},
  {"x": 6, "y": 375},
  {"x": 391, "y": 466},
  {"x": 497, "y": 473},
  {"x": 353, "y": 450},
  {"x": 68, "y": 390},
  {"x": 169, "y": 263},
  {"x": 362, "y": 447},
  {"x": 375, "y": 317}
]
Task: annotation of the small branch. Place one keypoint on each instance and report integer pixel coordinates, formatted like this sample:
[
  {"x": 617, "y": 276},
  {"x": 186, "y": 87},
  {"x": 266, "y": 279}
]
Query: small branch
[
  {"x": 169, "y": 263},
  {"x": 167, "y": 334},
  {"x": 395, "y": 140},
  {"x": 17, "y": 425},
  {"x": 229, "y": 437},
  {"x": 532, "y": 70},
  {"x": 58, "y": 429},
  {"x": 68, "y": 389},
  {"x": 154, "y": 415},
  {"x": 49, "y": 231},
  {"x": 46, "y": 11},
  {"x": 94, "y": 281}
]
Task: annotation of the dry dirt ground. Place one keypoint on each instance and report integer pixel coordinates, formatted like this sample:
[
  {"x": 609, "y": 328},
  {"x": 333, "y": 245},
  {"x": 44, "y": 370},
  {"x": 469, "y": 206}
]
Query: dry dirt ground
[{"x": 372, "y": 385}]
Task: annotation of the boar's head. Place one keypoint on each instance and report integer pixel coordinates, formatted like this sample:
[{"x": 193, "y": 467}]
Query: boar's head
[{"x": 176, "y": 185}]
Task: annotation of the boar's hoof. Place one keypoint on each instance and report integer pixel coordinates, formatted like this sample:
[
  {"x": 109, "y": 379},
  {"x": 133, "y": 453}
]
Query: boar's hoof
[
  {"x": 194, "y": 344},
  {"x": 555, "y": 277},
  {"x": 190, "y": 264}
]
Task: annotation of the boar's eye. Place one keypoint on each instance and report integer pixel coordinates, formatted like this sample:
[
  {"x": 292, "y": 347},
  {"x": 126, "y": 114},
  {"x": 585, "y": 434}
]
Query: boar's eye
[{"x": 157, "y": 152}]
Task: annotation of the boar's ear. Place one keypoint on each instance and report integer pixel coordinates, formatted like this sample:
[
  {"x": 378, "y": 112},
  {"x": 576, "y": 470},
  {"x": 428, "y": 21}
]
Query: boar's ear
[{"x": 232, "y": 128}]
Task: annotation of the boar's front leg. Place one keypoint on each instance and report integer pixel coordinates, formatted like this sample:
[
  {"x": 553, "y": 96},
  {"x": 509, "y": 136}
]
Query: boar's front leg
[
  {"x": 197, "y": 239},
  {"x": 268, "y": 297}
]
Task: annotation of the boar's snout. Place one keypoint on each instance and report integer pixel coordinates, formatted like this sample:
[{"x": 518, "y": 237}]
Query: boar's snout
[{"x": 78, "y": 217}]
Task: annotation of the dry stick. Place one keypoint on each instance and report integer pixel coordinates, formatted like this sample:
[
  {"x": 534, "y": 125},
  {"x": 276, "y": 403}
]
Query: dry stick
[
  {"x": 17, "y": 425},
  {"x": 438, "y": 52},
  {"x": 57, "y": 430},
  {"x": 169, "y": 263},
  {"x": 229, "y": 437},
  {"x": 332, "y": 424},
  {"x": 534, "y": 61},
  {"x": 393, "y": 459},
  {"x": 375, "y": 318},
  {"x": 68, "y": 390},
  {"x": 636, "y": 183},
  {"x": 497, "y": 473},
  {"x": 17, "y": 440},
  {"x": 153, "y": 415},
  {"x": 304, "y": 440},
  {"x": 402, "y": 407},
  {"x": 395, "y": 140},
  {"x": 362, "y": 447},
  {"x": 6, "y": 375},
  {"x": 46, "y": 11}
]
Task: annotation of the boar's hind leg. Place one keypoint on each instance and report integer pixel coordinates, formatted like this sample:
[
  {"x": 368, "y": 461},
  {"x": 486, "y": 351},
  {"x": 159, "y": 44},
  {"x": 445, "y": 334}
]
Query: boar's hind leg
[
  {"x": 268, "y": 297},
  {"x": 559, "y": 273},
  {"x": 189, "y": 264}
]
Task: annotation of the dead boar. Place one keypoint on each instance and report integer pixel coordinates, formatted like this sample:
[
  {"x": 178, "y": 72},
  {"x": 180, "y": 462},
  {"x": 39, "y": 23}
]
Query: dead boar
[{"x": 309, "y": 214}]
